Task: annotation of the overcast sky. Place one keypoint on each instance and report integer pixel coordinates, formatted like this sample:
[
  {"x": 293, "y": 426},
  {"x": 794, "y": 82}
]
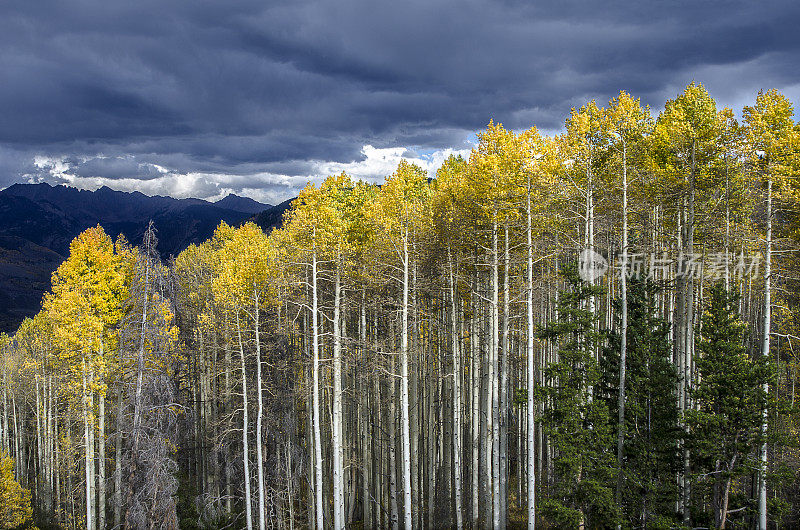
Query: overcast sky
[{"x": 202, "y": 98}]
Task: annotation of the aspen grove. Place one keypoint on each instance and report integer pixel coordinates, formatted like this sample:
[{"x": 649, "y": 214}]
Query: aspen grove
[{"x": 593, "y": 329}]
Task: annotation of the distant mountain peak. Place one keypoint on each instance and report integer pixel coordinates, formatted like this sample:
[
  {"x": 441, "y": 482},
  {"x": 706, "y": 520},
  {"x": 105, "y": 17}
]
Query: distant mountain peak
[
  {"x": 38, "y": 221},
  {"x": 241, "y": 204}
]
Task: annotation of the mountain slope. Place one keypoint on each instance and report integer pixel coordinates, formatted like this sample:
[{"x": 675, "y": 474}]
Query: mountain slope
[
  {"x": 241, "y": 204},
  {"x": 38, "y": 222},
  {"x": 272, "y": 217}
]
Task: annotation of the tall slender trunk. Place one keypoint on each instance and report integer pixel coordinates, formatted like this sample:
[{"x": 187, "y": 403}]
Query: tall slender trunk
[
  {"x": 493, "y": 404},
  {"x": 315, "y": 376},
  {"x": 392, "y": 420},
  {"x": 39, "y": 437},
  {"x": 363, "y": 409},
  {"x": 101, "y": 460},
  {"x": 338, "y": 450},
  {"x": 531, "y": 370},
  {"x": 88, "y": 451},
  {"x": 589, "y": 228},
  {"x": 727, "y": 225},
  {"x": 404, "y": 390},
  {"x": 688, "y": 334},
  {"x": 262, "y": 524},
  {"x": 137, "y": 405},
  {"x": 248, "y": 504},
  {"x": 476, "y": 414},
  {"x": 623, "y": 348},
  {"x": 503, "y": 417},
  {"x": 118, "y": 462},
  {"x": 312, "y": 514},
  {"x": 456, "y": 396},
  {"x": 765, "y": 346}
]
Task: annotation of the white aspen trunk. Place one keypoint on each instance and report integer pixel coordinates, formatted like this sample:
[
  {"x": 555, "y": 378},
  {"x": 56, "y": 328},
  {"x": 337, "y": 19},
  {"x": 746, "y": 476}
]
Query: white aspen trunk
[
  {"x": 364, "y": 414},
  {"x": 392, "y": 417},
  {"x": 262, "y": 524},
  {"x": 88, "y": 453},
  {"x": 245, "y": 445},
  {"x": 503, "y": 472},
  {"x": 18, "y": 456},
  {"x": 338, "y": 450},
  {"x": 765, "y": 346},
  {"x": 727, "y": 225},
  {"x": 378, "y": 449},
  {"x": 589, "y": 237},
  {"x": 56, "y": 456},
  {"x": 289, "y": 496},
  {"x": 101, "y": 461},
  {"x": 415, "y": 412},
  {"x": 456, "y": 398},
  {"x": 476, "y": 415},
  {"x": 228, "y": 404},
  {"x": 39, "y": 441},
  {"x": 310, "y": 439},
  {"x": 494, "y": 401},
  {"x": 93, "y": 448},
  {"x": 49, "y": 450},
  {"x": 137, "y": 412},
  {"x": 689, "y": 333},
  {"x": 404, "y": 391},
  {"x": 315, "y": 376},
  {"x": 623, "y": 349},
  {"x": 6, "y": 439},
  {"x": 118, "y": 464},
  {"x": 430, "y": 391},
  {"x": 531, "y": 369}
]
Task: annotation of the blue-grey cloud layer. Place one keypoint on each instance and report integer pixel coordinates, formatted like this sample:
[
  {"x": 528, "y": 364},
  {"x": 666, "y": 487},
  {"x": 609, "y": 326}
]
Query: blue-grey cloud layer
[{"x": 252, "y": 87}]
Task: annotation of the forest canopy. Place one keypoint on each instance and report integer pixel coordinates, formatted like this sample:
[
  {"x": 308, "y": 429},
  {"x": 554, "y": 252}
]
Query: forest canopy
[{"x": 591, "y": 329}]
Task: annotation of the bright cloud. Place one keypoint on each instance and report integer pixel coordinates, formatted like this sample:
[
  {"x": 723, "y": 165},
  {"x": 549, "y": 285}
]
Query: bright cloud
[{"x": 155, "y": 179}]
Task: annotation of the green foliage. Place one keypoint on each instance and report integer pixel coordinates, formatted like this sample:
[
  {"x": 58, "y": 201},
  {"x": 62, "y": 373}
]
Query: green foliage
[
  {"x": 725, "y": 426},
  {"x": 577, "y": 424},
  {"x": 650, "y": 447}
]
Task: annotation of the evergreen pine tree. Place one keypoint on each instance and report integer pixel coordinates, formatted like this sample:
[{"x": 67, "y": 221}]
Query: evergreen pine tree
[
  {"x": 578, "y": 426},
  {"x": 725, "y": 424},
  {"x": 650, "y": 449}
]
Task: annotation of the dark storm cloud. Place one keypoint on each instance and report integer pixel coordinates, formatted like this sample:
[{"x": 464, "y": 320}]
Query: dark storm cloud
[{"x": 129, "y": 90}]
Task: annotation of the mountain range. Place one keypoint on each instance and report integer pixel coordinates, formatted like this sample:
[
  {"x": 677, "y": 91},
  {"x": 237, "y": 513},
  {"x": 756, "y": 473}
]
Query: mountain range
[{"x": 38, "y": 222}]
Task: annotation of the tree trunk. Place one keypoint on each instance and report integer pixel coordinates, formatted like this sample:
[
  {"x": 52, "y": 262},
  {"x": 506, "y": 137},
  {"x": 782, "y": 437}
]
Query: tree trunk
[
  {"x": 338, "y": 450},
  {"x": 392, "y": 419},
  {"x": 245, "y": 445},
  {"x": 494, "y": 386},
  {"x": 262, "y": 524},
  {"x": 503, "y": 472},
  {"x": 765, "y": 346},
  {"x": 623, "y": 348},
  {"x": 88, "y": 452},
  {"x": 101, "y": 461},
  {"x": 315, "y": 376},
  {"x": 118, "y": 463},
  {"x": 404, "y": 390},
  {"x": 531, "y": 369},
  {"x": 476, "y": 414},
  {"x": 456, "y": 397}
]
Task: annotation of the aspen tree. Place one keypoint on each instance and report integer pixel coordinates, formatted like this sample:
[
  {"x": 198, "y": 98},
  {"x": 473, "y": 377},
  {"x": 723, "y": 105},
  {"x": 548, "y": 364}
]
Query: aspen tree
[
  {"x": 399, "y": 209},
  {"x": 628, "y": 122},
  {"x": 687, "y": 135},
  {"x": 771, "y": 136},
  {"x": 89, "y": 297}
]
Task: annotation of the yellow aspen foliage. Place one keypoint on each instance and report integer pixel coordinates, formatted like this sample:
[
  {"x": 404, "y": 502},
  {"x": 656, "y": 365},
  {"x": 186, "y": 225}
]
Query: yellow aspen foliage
[
  {"x": 90, "y": 296},
  {"x": 15, "y": 501}
]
